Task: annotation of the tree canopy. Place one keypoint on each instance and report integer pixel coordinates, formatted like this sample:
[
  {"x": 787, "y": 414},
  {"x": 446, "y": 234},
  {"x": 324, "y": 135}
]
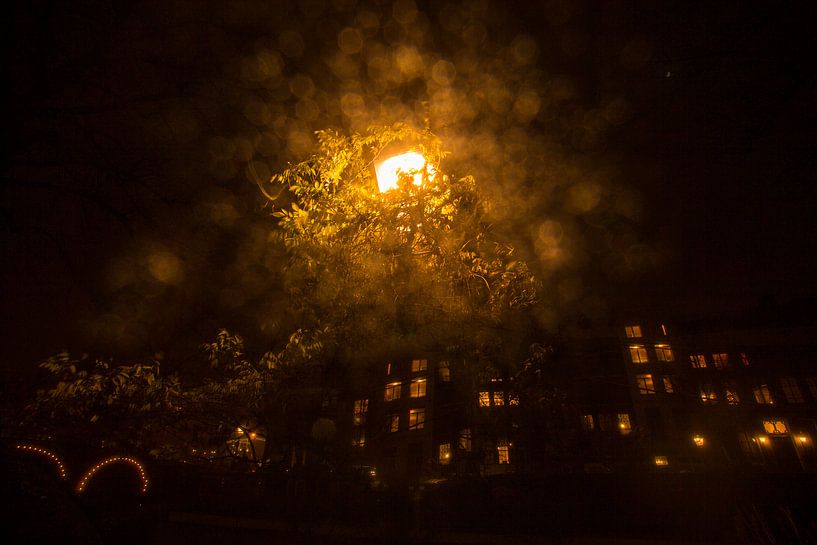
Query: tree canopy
[
  {"x": 363, "y": 272},
  {"x": 418, "y": 264}
]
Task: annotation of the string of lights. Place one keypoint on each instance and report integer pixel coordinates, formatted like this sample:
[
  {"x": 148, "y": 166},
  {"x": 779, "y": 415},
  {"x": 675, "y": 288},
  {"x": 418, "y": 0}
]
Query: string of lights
[
  {"x": 48, "y": 454},
  {"x": 83, "y": 483}
]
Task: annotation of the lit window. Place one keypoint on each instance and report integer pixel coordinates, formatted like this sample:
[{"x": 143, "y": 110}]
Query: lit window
[
  {"x": 645, "y": 384},
  {"x": 445, "y": 453},
  {"x": 444, "y": 371},
  {"x": 708, "y": 394},
  {"x": 791, "y": 390},
  {"x": 775, "y": 427},
  {"x": 587, "y": 422},
  {"x": 394, "y": 423},
  {"x": 762, "y": 394},
  {"x": 392, "y": 391},
  {"x": 417, "y": 419},
  {"x": 624, "y": 425},
  {"x": 361, "y": 406},
  {"x": 418, "y": 388},
  {"x": 419, "y": 365},
  {"x": 388, "y": 368},
  {"x": 663, "y": 352},
  {"x": 731, "y": 392},
  {"x": 358, "y": 437},
  {"x": 720, "y": 360},
  {"x": 664, "y": 330},
  {"x": 499, "y": 399},
  {"x": 698, "y": 361},
  {"x": 698, "y": 440},
  {"x": 638, "y": 353},
  {"x": 744, "y": 359},
  {"x": 503, "y": 454},
  {"x": 661, "y": 461},
  {"x": 465, "y": 440},
  {"x": 484, "y": 399},
  {"x": 513, "y": 400},
  {"x": 633, "y": 331},
  {"x": 669, "y": 387}
]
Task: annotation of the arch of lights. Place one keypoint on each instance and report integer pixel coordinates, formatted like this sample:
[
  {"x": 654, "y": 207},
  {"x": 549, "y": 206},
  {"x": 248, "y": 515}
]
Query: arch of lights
[
  {"x": 48, "y": 454},
  {"x": 83, "y": 482}
]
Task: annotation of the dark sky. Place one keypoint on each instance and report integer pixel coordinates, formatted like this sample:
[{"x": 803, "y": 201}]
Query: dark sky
[{"x": 119, "y": 113}]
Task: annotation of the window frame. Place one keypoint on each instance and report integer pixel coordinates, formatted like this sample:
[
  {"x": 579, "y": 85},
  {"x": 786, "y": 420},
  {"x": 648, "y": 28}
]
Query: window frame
[
  {"x": 417, "y": 419},
  {"x": 645, "y": 384},
  {"x": 418, "y": 387},
  {"x": 419, "y": 365},
  {"x": 663, "y": 352},
  {"x": 638, "y": 354},
  {"x": 396, "y": 391}
]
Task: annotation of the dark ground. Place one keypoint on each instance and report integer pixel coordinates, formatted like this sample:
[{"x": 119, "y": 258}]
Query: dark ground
[{"x": 189, "y": 506}]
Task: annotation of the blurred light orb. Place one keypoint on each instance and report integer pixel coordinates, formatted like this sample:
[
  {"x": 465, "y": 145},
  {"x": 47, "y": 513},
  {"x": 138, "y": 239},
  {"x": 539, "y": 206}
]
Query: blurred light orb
[{"x": 410, "y": 162}]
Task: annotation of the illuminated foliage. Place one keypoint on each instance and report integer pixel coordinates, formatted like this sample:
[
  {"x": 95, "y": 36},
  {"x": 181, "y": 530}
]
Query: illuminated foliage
[{"x": 420, "y": 260}]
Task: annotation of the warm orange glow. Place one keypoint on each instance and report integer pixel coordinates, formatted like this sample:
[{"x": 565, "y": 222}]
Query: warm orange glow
[
  {"x": 661, "y": 461},
  {"x": 48, "y": 454},
  {"x": 762, "y": 439},
  {"x": 83, "y": 483},
  {"x": 698, "y": 440},
  {"x": 387, "y": 172},
  {"x": 802, "y": 439}
]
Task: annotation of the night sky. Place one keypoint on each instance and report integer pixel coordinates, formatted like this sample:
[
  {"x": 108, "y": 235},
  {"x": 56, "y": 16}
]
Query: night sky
[{"x": 128, "y": 190}]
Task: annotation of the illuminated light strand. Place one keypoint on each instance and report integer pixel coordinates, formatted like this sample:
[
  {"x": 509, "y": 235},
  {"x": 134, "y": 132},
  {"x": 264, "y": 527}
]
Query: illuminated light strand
[
  {"x": 48, "y": 454},
  {"x": 83, "y": 483}
]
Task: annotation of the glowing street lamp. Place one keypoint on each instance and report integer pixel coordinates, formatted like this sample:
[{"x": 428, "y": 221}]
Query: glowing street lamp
[{"x": 388, "y": 171}]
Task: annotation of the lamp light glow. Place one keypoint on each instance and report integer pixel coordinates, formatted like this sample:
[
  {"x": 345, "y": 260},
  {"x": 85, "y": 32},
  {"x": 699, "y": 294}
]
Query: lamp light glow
[
  {"x": 698, "y": 440},
  {"x": 388, "y": 171}
]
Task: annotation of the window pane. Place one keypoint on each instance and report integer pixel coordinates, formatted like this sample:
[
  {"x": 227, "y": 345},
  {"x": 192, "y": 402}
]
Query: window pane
[
  {"x": 465, "y": 440},
  {"x": 645, "y": 384},
  {"x": 720, "y": 360},
  {"x": 708, "y": 394},
  {"x": 762, "y": 394},
  {"x": 445, "y": 453},
  {"x": 669, "y": 387},
  {"x": 624, "y": 425},
  {"x": 638, "y": 353},
  {"x": 587, "y": 422},
  {"x": 358, "y": 437},
  {"x": 418, "y": 388},
  {"x": 484, "y": 399},
  {"x": 499, "y": 399},
  {"x": 503, "y": 454},
  {"x": 392, "y": 391},
  {"x": 419, "y": 365},
  {"x": 394, "y": 423},
  {"x": 664, "y": 352},
  {"x": 777, "y": 427},
  {"x": 417, "y": 419},
  {"x": 698, "y": 361},
  {"x": 633, "y": 331},
  {"x": 361, "y": 406},
  {"x": 731, "y": 391},
  {"x": 444, "y": 371}
]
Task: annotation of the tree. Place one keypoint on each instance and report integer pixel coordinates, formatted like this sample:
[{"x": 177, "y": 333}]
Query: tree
[
  {"x": 364, "y": 273},
  {"x": 417, "y": 265}
]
